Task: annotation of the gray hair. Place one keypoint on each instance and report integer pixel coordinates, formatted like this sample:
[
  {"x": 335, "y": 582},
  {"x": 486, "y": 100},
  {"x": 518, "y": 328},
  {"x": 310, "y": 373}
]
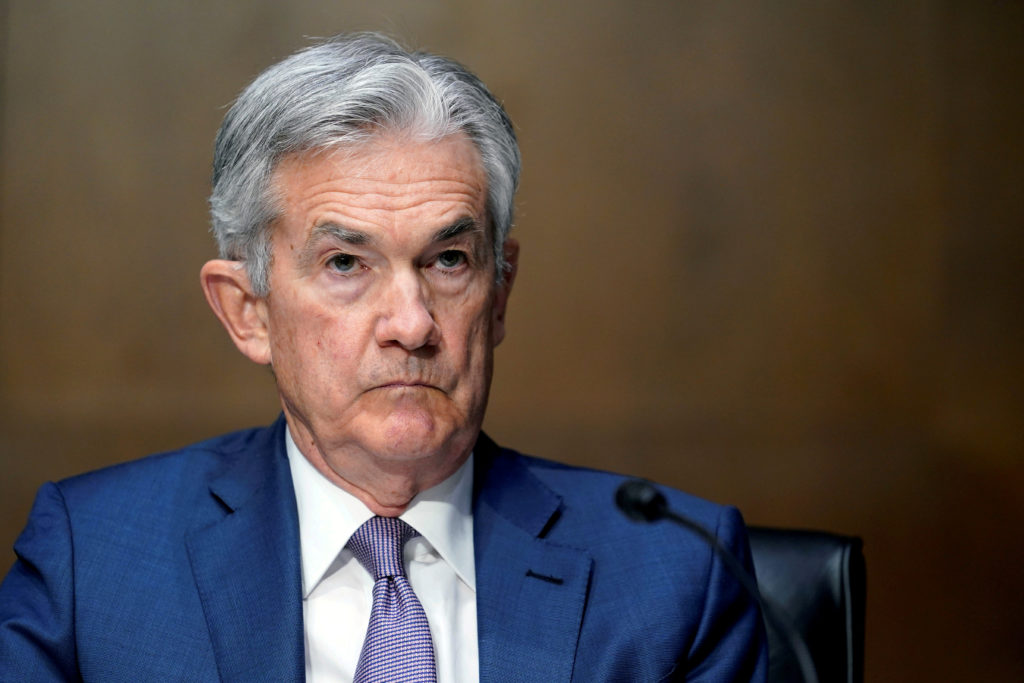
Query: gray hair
[{"x": 344, "y": 91}]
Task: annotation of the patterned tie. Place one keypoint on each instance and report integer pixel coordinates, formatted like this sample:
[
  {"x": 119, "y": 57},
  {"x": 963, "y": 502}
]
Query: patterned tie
[{"x": 397, "y": 646}]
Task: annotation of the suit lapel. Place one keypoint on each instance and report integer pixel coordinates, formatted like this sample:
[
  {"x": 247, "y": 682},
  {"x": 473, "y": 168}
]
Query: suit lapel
[
  {"x": 247, "y": 568},
  {"x": 531, "y": 592}
]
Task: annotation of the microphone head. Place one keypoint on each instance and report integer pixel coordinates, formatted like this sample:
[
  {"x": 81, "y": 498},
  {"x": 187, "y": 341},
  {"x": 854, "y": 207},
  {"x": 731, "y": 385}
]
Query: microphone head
[{"x": 641, "y": 501}]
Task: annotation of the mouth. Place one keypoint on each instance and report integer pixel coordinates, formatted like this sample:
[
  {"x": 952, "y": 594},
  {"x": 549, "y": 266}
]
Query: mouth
[{"x": 405, "y": 385}]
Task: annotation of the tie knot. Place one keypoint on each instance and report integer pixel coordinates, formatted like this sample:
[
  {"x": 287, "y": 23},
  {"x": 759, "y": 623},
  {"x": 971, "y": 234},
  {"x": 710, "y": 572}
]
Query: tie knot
[{"x": 378, "y": 545}]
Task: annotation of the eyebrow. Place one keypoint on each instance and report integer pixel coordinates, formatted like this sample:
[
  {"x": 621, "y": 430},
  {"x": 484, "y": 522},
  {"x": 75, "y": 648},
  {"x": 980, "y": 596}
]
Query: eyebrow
[
  {"x": 459, "y": 227},
  {"x": 307, "y": 253},
  {"x": 359, "y": 238},
  {"x": 342, "y": 234}
]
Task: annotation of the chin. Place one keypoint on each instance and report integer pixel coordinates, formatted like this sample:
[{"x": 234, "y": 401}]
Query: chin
[{"x": 413, "y": 435}]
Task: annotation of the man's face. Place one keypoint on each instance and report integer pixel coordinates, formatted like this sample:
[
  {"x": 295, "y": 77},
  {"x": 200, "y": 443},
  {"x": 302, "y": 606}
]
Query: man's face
[{"x": 383, "y": 311}]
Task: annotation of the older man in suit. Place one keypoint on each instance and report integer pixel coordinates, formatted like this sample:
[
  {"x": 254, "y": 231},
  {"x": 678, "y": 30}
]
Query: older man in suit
[{"x": 362, "y": 201}]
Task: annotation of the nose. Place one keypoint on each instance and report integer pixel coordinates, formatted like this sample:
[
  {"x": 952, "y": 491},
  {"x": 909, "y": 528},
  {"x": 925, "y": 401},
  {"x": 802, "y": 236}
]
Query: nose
[{"x": 406, "y": 319}]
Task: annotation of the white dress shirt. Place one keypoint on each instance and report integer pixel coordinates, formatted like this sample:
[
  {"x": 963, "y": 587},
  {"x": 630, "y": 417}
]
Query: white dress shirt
[{"x": 337, "y": 590}]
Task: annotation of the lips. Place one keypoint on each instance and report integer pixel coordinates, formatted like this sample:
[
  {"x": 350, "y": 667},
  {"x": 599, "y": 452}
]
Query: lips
[{"x": 405, "y": 385}]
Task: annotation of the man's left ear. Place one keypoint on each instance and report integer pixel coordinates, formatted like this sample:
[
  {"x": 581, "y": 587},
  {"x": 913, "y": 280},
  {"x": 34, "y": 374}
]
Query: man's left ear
[{"x": 504, "y": 289}]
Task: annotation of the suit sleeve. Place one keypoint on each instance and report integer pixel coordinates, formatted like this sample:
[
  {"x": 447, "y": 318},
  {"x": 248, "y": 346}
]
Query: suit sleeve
[
  {"x": 36, "y": 598},
  {"x": 730, "y": 644}
]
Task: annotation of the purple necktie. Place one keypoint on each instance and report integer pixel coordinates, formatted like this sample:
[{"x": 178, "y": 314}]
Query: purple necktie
[{"x": 397, "y": 646}]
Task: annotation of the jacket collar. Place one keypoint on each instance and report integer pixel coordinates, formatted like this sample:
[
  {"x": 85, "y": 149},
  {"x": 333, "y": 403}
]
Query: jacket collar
[
  {"x": 246, "y": 564},
  {"x": 531, "y": 592}
]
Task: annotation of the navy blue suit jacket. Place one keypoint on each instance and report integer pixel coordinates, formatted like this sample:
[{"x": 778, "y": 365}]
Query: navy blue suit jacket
[{"x": 186, "y": 566}]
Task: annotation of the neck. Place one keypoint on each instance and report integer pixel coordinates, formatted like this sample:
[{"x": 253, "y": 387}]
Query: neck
[{"x": 387, "y": 487}]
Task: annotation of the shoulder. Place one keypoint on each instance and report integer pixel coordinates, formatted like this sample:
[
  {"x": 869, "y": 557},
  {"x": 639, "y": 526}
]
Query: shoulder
[
  {"x": 163, "y": 482},
  {"x": 139, "y": 513},
  {"x": 646, "y": 574},
  {"x": 588, "y": 518},
  {"x": 590, "y": 494},
  {"x": 110, "y": 546}
]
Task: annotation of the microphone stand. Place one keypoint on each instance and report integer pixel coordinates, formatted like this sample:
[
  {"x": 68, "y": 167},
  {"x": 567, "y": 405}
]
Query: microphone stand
[{"x": 641, "y": 501}]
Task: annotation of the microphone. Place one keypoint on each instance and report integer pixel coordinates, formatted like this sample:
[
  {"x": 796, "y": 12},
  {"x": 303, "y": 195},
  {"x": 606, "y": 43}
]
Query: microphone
[{"x": 641, "y": 501}]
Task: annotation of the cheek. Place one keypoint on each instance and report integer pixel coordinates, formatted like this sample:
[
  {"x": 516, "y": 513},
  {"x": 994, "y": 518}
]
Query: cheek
[
  {"x": 471, "y": 342},
  {"x": 307, "y": 342},
  {"x": 332, "y": 343}
]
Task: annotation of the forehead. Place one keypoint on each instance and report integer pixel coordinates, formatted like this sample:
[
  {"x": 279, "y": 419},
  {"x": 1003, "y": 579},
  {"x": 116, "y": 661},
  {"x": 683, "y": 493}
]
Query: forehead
[{"x": 384, "y": 182}]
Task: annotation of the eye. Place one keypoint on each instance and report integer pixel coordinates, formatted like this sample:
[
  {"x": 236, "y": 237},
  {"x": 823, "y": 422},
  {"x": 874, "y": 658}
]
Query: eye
[
  {"x": 451, "y": 259},
  {"x": 343, "y": 263}
]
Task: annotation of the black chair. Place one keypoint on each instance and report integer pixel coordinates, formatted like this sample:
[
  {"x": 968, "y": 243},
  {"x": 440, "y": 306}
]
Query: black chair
[{"x": 817, "y": 579}]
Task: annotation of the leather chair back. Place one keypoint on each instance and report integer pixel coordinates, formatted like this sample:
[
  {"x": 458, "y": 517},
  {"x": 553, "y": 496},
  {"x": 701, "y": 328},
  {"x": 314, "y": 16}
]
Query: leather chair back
[{"x": 817, "y": 579}]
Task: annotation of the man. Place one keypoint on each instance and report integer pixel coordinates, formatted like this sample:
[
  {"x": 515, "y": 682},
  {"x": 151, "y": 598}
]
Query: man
[{"x": 362, "y": 201}]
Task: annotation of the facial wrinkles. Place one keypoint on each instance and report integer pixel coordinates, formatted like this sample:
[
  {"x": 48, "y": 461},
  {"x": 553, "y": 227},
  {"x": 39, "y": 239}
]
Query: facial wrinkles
[
  {"x": 399, "y": 209},
  {"x": 406, "y": 197},
  {"x": 368, "y": 182},
  {"x": 392, "y": 219},
  {"x": 433, "y": 367}
]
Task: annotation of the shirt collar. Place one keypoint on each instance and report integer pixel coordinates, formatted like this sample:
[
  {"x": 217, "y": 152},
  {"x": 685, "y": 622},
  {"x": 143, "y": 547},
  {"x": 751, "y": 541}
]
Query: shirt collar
[{"x": 329, "y": 515}]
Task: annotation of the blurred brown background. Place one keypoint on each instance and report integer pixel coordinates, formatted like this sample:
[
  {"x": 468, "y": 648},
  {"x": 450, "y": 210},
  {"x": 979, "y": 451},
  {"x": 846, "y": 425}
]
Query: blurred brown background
[{"x": 772, "y": 254}]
